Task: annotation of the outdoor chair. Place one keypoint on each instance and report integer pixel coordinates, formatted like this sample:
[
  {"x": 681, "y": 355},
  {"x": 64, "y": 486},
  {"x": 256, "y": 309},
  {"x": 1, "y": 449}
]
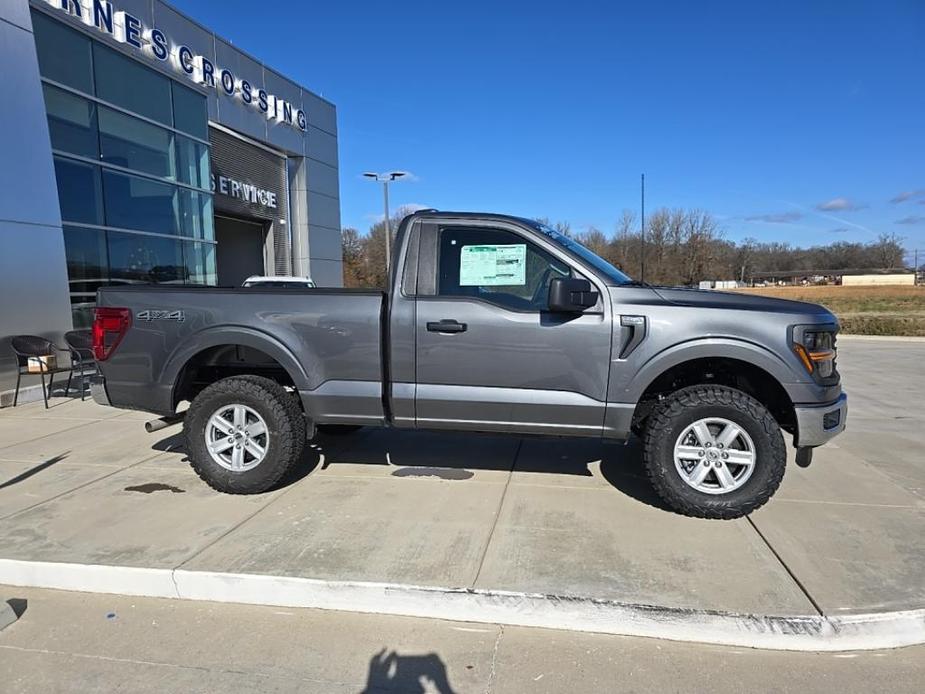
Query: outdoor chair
[
  {"x": 27, "y": 347},
  {"x": 80, "y": 343}
]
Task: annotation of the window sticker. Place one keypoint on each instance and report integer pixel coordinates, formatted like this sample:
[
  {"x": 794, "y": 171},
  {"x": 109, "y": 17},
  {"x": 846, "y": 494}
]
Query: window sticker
[{"x": 493, "y": 265}]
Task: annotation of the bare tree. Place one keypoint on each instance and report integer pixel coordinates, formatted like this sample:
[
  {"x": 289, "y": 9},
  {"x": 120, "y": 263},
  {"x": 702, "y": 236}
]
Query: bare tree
[
  {"x": 745, "y": 258},
  {"x": 888, "y": 250},
  {"x": 657, "y": 246},
  {"x": 594, "y": 240},
  {"x": 352, "y": 248}
]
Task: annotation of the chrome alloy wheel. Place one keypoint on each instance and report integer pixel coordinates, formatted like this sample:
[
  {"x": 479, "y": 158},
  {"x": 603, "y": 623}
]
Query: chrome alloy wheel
[
  {"x": 237, "y": 438},
  {"x": 714, "y": 455}
]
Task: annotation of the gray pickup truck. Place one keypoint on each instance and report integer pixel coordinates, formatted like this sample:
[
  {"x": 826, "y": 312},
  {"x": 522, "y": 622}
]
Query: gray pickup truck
[{"x": 492, "y": 324}]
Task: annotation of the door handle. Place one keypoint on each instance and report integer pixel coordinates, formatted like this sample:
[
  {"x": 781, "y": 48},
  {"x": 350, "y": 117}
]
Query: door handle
[
  {"x": 446, "y": 325},
  {"x": 637, "y": 326}
]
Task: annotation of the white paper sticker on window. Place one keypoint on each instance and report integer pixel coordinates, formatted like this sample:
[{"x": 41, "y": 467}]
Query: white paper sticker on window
[{"x": 493, "y": 265}]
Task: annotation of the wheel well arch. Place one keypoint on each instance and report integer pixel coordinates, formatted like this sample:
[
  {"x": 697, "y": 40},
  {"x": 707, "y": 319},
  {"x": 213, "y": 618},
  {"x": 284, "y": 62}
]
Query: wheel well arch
[
  {"x": 214, "y": 363},
  {"x": 724, "y": 371}
]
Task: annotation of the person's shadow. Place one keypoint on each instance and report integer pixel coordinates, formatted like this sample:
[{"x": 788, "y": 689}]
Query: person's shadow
[{"x": 408, "y": 674}]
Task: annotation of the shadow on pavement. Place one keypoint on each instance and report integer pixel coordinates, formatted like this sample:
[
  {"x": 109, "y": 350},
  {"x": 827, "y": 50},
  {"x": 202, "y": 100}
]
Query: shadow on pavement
[
  {"x": 623, "y": 468},
  {"x": 409, "y": 674},
  {"x": 23, "y": 476},
  {"x": 449, "y": 455},
  {"x": 18, "y": 605},
  {"x": 311, "y": 458},
  {"x": 427, "y": 453},
  {"x": 171, "y": 444}
]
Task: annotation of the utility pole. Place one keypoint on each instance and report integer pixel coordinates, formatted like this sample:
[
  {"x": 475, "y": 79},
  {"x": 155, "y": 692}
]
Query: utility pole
[
  {"x": 385, "y": 179},
  {"x": 642, "y": 235}
]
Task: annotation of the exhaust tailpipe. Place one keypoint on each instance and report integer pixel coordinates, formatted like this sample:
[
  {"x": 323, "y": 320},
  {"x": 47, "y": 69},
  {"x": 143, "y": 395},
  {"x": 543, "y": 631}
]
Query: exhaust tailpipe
[{"x": 163, "y": 422}]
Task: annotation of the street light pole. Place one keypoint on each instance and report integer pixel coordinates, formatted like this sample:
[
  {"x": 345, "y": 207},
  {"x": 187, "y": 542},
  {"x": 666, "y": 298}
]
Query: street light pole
[
  {"x": 388, "y": 225},
  {"x": 385, "y": 179}
]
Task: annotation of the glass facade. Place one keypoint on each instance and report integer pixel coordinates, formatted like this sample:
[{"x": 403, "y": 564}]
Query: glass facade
[{"x": 132, "y": 165}]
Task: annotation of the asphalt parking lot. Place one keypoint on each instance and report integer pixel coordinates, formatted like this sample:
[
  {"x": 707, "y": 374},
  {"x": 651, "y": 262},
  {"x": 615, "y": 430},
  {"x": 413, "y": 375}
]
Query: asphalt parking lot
[{"x": 86, "y": 485}]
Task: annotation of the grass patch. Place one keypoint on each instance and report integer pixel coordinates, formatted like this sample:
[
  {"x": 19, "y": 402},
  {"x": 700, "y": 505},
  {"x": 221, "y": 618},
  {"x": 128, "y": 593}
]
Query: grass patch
[{"x": 863, "y": 310}]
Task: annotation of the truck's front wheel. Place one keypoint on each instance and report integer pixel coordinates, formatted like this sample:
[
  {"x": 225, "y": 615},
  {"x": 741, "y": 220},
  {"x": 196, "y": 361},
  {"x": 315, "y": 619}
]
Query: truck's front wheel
[
  {"x": 713, "y": 452},
  {"x": 243, "y": 434}
]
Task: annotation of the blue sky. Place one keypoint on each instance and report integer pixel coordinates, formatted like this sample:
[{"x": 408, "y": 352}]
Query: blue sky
[{"x": 793, "y": 121}]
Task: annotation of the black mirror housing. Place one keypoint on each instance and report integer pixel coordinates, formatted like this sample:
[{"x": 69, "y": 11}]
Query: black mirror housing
[{"x": 571, "y": 295}]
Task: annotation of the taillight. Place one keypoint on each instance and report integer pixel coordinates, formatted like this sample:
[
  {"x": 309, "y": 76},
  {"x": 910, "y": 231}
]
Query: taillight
[{"x": 109, "y": 327}]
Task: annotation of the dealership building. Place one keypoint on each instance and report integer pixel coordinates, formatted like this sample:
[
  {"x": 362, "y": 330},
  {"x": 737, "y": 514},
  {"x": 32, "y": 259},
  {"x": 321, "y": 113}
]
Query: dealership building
[{"x": 138, "y": 146}]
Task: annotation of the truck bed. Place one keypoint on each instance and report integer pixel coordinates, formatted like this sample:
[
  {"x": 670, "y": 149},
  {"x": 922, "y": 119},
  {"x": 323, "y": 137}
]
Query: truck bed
[{"x": 328, "y": 341}]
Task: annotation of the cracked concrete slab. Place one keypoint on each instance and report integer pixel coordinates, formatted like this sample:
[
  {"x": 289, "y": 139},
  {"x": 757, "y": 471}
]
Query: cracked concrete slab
[
  {"x": 422, "y": 531},
  {"x": 851, "y": 558},
  {"x": 27, "y": 484},
  {"x": 114, "y": 443},
  {"x": 135, "y": 517},
  {"x": 591, "y": 542}
]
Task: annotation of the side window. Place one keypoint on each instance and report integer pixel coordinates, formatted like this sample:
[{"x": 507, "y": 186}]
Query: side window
[{"x": 496, "y": 266}]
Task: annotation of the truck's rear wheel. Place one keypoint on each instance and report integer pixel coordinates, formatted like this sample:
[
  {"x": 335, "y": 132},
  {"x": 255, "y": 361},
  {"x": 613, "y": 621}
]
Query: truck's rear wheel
[
  {"x": 713, "y": 452},
  {"x": 243, "y": 434}
]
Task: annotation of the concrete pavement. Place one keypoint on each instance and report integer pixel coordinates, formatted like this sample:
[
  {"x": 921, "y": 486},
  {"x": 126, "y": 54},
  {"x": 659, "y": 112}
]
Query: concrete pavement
[
  {"x": 84, "y": 484},
  {"x": 68, "y": 642}
]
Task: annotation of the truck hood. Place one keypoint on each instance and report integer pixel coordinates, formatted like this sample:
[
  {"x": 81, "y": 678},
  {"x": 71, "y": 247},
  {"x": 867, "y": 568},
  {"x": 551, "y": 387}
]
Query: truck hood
[{"x": 709, "y": 298}]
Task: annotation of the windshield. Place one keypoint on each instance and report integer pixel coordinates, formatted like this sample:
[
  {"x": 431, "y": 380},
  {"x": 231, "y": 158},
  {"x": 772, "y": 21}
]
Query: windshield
[{"x": 591, "y": 258}]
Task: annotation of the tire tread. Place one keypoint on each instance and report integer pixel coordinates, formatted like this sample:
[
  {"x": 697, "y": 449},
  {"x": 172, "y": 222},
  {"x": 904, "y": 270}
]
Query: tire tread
[
  {"x": 283, "y": 406},
  {"x": 686, "y": 399}
]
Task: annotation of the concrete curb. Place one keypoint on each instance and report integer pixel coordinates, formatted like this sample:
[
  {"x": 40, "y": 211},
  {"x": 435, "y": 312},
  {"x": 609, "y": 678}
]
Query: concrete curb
[{"x": 789, "y": 633}]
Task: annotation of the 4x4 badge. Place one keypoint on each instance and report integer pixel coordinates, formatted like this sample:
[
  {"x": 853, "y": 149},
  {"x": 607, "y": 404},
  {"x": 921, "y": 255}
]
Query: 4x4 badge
[{"x": 160, "y": 315}]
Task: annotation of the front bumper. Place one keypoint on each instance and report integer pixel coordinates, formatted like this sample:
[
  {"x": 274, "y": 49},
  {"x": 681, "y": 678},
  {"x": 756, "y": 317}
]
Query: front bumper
[
  {"x": 817, "y": 424},
  {"x": 98, "y": 390}
]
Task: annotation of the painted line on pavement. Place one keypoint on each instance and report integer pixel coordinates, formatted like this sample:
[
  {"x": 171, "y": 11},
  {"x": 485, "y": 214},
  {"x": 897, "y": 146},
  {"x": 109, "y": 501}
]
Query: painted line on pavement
[{"x": 790, "y": 633}]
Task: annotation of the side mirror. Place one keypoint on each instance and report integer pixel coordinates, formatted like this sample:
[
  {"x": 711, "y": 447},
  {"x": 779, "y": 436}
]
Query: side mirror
[{"x": 571, "y": 295}]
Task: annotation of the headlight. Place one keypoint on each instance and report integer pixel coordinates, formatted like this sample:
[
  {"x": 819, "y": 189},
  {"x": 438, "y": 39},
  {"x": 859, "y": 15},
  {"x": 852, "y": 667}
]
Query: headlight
[{"x": 816, "y": 350}]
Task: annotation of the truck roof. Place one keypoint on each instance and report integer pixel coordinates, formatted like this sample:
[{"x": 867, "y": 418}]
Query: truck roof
[{"x": 447, "y": 214}]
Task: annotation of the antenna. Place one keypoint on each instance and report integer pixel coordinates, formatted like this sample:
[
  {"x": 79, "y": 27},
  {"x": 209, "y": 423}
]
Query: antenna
[{"x": 642, "y": 236}]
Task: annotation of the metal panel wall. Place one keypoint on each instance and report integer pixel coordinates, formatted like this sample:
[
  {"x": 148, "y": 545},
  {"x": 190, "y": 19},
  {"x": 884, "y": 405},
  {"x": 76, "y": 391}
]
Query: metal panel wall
[{"x": 33, "y": 273}]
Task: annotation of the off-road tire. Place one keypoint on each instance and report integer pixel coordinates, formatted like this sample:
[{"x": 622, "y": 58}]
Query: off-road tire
[
  {"x": 286, "y": 429},
  {"x": 680, "y": 409}
]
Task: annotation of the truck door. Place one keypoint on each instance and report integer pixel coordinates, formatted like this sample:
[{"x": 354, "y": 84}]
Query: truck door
[{"x": 489, "y": 355}]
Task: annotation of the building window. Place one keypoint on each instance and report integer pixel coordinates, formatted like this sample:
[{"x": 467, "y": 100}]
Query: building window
[
  {"x": 200, "y": 263},
  {"x": 192, "y": 162},
  {"x": 196, "y": 219},
  {"x": 71, "y": 123},
  {"x": 124, "y": 82},
  {"x": 189, "y": 111},
  {"x": 87, "y": 270},
  {"x": 139, "y": 203},
  {"x": 64, "y": 54},
  {"x": 79, "y": 192},
  {"x": 139, "y": 258},
  {"x": 136, "y": 144},
  {"x": 135, "y": 196}
]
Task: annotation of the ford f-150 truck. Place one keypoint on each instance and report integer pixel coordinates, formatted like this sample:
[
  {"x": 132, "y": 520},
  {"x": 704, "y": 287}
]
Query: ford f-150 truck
[{"x": 491, "y": 323}]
